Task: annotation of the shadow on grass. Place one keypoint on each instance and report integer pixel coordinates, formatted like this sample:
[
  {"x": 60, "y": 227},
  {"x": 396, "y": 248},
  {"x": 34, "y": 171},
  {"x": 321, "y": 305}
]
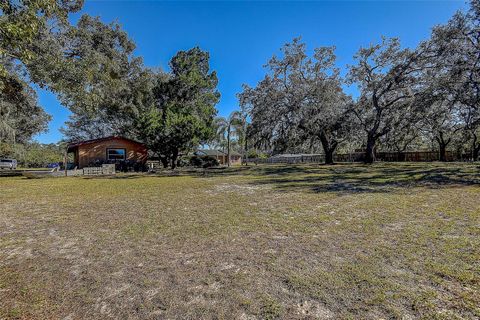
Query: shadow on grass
[
  {"x": 355, "y": 178},
  {"x": 339, "y": 178},
  {"x": 180, "y": 172},
  {"x": 120, "y": 176}
]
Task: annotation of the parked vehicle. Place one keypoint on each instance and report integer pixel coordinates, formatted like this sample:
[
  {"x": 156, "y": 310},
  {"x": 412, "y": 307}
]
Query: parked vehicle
[
  {"x": 8, "y": 164},
  {"x": 53, "y": 165}
]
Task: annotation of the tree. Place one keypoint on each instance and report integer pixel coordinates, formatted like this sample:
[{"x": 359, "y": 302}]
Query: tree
[
  {"x": 21, "y": 117},
  {"x": 450, "y": 94},
  {"x": 458, "y": 46},
  {"x": 22, "y": 22},
  {"x": 300, "y": 99},
  {"x": 38, "y": 155},
  {"x": 439, "y": 107},
  {"x": 441, "y": 122},
  {"x": 91, "y": 67},
  {"x": 226, "y": 127},
  {"x": 471, "y": 120},
  {"x": 386, "y": 76},
  {"x": 84, "y": 126},
  {"x": 243, "y": 134},
  {"x": 183, "y": 110},
  {"x": 401, "y": 138},
  {"x": 405, "y": 134},
  {"x": 107, "y": 119}
]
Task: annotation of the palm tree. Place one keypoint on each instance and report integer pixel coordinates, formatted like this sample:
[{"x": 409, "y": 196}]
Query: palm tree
[{"x": 227, "y": 127}]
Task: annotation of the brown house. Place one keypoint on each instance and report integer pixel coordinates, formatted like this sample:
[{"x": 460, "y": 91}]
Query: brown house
[
  {"x": 107, "y": 150},
  {"x": 235, "y": 158}
]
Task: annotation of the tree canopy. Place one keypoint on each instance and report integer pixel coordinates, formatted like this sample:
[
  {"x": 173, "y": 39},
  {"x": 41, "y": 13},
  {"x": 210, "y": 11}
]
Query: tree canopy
[
  {"x": 300, "y": 99},
  {"x": 23, "y": 22},
  {"x": 21, "y": 116},
  {"x": 424, "y": 96},
  {"x": 183, "y": 110}
]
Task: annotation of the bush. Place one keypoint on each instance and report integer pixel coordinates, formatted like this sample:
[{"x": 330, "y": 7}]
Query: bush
[
  {"x": 183, "y": 162},
  {"x": 210, "y": 162},
  {"x": 196, "y": 161},
  {"x": 122, "y": 166},
  {"x": 203, "y": 162},
  {"x": 253, "y": 154}
]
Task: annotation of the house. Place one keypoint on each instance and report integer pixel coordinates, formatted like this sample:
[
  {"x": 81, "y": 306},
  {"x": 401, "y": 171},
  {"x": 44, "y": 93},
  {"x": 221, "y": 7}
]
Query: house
[
  {"x": 107, "y": 150},
  {"x": 235, "y": 157}
]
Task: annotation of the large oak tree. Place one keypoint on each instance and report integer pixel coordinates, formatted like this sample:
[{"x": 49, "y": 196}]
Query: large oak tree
[
  {"x": 300, "y": 99},
  {"x": 386, "y": 76}
]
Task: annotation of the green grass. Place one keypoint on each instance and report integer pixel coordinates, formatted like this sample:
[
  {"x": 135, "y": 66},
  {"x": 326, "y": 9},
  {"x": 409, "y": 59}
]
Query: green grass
[{"x": 387, "y": 241}]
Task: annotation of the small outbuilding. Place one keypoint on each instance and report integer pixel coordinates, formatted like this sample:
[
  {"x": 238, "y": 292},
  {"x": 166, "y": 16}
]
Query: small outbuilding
[{"x": 112, "y": 149}]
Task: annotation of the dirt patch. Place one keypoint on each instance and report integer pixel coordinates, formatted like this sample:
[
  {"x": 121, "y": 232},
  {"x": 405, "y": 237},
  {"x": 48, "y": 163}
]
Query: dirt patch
[
  {"x": 243, "y": 189},
  {"x": 315, "y": 310}
]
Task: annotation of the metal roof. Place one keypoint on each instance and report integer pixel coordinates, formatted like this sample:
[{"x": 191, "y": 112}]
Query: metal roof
[{"x": 211, "y": 152}]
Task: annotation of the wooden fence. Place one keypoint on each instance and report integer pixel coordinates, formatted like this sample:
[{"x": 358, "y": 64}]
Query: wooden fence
[
  {"x": 291, "y": 159},
  {"x": 419, "y": 156}
]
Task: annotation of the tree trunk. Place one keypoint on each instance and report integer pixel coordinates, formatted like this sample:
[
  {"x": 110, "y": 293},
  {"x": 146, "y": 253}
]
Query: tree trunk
[
  {"x": 370, "y": 151},
  {"x": 476, "y": 152},
  {"x": 475, "y": 148},
  {"x": 246, "y": 149},
  {"x": 164, "y": 162},
  {"x": 442, "y": 146},
  {"x": 228, "y": 146},
  {"x": 65, "y": 163},
  {"x": 442, "y": 151},
  {"x": 329, "y": 156},
  {"x": 328, "y": 147},
  {"x": 174, "y": 158}
]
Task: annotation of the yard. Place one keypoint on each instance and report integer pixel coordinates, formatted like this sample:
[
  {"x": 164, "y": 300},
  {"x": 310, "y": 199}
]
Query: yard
[{"x": 397, "y": 241}]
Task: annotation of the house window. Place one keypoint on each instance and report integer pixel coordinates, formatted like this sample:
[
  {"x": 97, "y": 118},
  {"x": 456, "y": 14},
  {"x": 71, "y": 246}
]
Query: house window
[{"x": 116, "y": 154}]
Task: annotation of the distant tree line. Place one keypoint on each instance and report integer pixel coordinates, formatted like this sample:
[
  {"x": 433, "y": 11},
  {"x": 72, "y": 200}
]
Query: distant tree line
[
  {"x": 34, "y": 154},
  {"x": 408, "y": 98}
]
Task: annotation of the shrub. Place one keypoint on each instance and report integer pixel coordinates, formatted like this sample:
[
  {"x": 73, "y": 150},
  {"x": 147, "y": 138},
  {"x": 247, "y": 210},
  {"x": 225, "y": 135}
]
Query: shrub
[
  {"x": 123, "y": 166},
  {"x": 196, "y": 161},
  {"x": 203, "y": 161},
  {"x": 209, "y": 162},
  {"x": 183, "y": 162}
]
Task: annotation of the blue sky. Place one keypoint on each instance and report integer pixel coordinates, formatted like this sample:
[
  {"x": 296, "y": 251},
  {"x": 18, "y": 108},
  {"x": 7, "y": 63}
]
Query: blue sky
[{"x": 242, "y": 36}]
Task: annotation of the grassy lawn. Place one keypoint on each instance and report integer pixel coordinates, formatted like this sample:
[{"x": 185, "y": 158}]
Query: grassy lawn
[{"x": 388, "y": 241}]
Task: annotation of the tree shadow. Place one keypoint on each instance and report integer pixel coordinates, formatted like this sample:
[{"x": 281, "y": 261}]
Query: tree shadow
[
  {"x": 339, "y": 178},
  {"x": 356, "y": 178}
]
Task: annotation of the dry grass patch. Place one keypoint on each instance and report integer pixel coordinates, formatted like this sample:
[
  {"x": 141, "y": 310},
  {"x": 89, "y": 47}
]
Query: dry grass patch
[{"x": 266, "y": 242}]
